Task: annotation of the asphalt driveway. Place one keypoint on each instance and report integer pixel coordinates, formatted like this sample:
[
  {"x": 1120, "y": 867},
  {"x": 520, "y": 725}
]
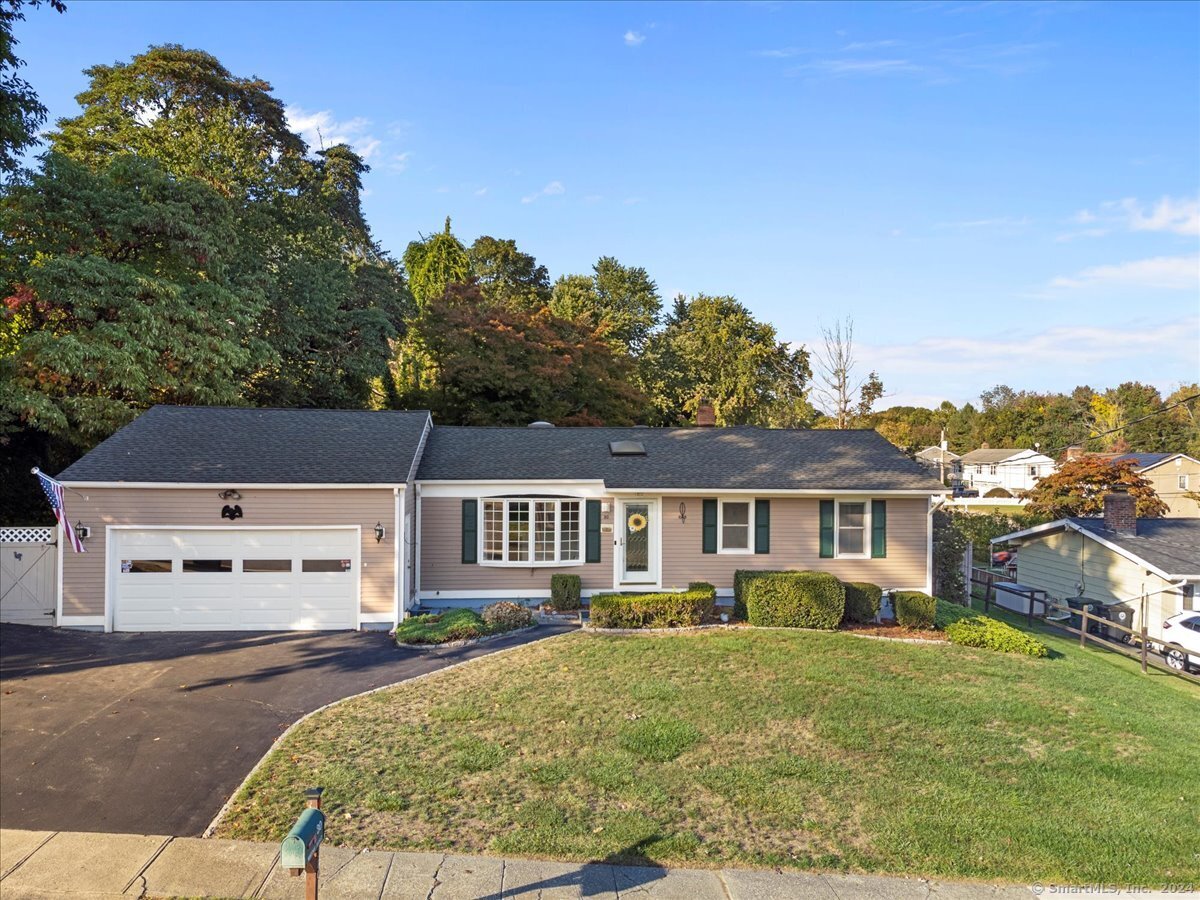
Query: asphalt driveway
[{"x": 151, "y": 733}]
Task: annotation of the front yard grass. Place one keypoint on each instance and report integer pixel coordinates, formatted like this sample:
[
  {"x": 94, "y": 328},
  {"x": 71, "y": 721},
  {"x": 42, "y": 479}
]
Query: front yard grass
[{"x": 764, "y": 748}]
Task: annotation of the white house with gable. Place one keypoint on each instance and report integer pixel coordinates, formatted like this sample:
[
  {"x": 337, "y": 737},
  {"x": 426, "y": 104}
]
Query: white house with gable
[{"x": 1013, "y": 469}]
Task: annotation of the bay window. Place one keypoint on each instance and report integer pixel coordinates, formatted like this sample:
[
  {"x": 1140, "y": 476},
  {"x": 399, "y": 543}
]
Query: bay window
[{"x": 530, "y": 532}]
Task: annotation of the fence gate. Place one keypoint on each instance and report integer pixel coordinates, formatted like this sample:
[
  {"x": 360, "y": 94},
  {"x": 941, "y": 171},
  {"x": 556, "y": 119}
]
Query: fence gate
[{"x": 28, "y": 575}]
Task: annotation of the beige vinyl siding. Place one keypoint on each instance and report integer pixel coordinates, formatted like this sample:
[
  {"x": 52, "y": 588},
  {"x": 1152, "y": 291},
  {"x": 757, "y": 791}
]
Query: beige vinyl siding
[
  {"x": 1058, "y": 563},
  {"x": 442, "y": 568},
  {"x": 795, "y": 544},
  {"x": 1165, "y": 479},
  {"x": 83, "y": 573}
]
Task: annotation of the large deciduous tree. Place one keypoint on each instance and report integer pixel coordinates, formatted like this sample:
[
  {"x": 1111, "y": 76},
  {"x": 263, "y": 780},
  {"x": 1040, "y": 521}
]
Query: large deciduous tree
[
  {"x": 508, "y": 277},
  {"x": 621, "y": 302},
  {"x": 1079, "y": 486},
  {"x": 712, "y": 348},
  {"x": 333, "y": 300},
  {"x": 494, "y": 365},
  {"x": 121, "y": 293},
  {"x": 434, "y": 263}
]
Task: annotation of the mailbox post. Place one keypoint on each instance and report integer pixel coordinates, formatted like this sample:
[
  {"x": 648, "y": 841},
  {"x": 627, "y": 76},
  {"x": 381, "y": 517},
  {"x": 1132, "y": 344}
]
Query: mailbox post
[{"x": 301, "y": 849}]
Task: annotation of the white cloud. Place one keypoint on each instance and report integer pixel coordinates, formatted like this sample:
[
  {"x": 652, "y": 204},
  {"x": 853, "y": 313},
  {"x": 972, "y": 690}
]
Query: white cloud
[
  {"x": 553, "y": 189},
  {"x": 1056, "y": 358},
  {"x": 634, "y": 38},
  {"x": 1176, "y": 215},
  {"x": 481, "y": 192},
  {"x": 399, "y": 162},
  {"x": 1161, "y": 272},
  {"x": 1181, "y": 216},
  {"x": 869, "y": 45},
  {"x": 836, "y": 68},
  {"x": 632, "y": 201},
  {"x": 321, "y": 130}
]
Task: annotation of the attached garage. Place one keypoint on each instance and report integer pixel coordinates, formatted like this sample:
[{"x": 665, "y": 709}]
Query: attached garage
[
  {"x": 234, "y": 579},
  {"x": 220, "y": 519}
]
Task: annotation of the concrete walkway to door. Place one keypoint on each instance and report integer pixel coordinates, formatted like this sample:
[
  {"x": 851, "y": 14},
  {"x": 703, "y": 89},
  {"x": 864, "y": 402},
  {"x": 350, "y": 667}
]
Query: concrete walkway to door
[{"x": 150, "y": 733}]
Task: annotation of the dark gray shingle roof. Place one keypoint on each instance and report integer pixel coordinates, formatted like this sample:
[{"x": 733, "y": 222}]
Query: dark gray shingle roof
[
  {"x": 257, "y": 446},
  {"x": 699, "y": 458},
  {"x": 1172, "y": 545}
]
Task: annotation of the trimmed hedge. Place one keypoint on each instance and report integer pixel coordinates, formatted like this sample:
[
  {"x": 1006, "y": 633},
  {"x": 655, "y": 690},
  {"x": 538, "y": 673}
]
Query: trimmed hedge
[
  {"x": 948, "y": 612},
  {"x": 795, "y": 600},
  {"x": 665, "y": 610},
  {"x": 863, "y": 600},
  {"x": 914, "y": 609},
  {"x": 992, "y": 634},
  {"x": 741, "y": 578},
  {"x": 565, "y": 592}
]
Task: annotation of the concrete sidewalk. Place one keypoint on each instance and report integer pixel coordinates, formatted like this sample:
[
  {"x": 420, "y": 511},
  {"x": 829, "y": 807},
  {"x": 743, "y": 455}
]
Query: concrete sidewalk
[{"x": 43, "y": 864}]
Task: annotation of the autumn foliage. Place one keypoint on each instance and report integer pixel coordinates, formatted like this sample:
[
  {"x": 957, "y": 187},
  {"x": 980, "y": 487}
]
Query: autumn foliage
[{"x": 1079, "y": 486}]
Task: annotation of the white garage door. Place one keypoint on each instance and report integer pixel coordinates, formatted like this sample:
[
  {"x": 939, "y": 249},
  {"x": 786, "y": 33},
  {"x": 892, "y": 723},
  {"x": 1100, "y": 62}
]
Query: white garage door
[{"x": 234, "y": 579}]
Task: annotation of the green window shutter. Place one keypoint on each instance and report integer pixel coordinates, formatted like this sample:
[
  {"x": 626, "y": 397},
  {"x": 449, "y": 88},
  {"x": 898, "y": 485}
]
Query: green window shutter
[
  {"x": 593, "y": 532},
  {"x": 710, "y": 526},
  {"x": 878, "y": 528},
  {"x": 470, "y": 532},
  {"x": 826, "y": 529},
  {"x": 762, "y": 526}
]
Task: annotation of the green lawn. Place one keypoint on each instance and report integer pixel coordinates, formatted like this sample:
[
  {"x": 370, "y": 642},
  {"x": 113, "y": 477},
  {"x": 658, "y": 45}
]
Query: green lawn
[{"x": 762, "y": 748}]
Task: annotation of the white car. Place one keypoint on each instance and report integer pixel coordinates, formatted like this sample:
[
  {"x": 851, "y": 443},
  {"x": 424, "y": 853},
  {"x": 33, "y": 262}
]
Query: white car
[{"x": 1181, "y": 641}]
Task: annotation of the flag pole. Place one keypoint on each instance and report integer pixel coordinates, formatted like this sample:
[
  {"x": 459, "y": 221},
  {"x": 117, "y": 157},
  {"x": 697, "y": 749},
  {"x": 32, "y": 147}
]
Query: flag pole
[{"x": 66, "y": 487}]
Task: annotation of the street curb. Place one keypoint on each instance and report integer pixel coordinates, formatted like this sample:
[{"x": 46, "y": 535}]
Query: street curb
[{"x": 212, "y": 826}]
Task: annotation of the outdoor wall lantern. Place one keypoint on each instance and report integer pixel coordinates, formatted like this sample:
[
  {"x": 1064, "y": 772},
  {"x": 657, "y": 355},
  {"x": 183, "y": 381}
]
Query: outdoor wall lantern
[
  {"x": 230, "y": 494},
  {"x": 682, "y": 512},
  {"x": 82, "y": 531},
  {"x": 379, "y": 532}
]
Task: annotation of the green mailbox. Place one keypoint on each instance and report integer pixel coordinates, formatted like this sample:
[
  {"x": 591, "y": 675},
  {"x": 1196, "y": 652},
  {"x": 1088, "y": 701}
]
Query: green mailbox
[{"x": 303, "y": 840}]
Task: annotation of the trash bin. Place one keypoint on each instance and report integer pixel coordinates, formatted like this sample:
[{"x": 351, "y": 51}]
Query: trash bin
[
  {"x": 1077, "y": 619},
  {"x": 1122, "y": 614}
]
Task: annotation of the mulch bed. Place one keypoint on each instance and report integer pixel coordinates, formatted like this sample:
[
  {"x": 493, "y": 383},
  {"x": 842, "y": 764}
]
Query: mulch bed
[{"x": 892, "y": 630}]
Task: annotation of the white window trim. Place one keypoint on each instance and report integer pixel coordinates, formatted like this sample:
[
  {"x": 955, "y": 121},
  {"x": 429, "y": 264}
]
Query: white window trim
[
  {"x": 735, "y": 551},
  {"x": 558, "y": 561},
  {"x": 837, "y": 529},
  {"x": 1181, "y": 482}
]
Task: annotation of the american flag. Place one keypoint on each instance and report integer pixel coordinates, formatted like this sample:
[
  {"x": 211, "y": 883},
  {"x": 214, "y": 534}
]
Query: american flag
[{"x": 55, "y": 493}]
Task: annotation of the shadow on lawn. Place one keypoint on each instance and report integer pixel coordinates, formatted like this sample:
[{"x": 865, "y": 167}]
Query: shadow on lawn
[{"x": 627, "y": 869}]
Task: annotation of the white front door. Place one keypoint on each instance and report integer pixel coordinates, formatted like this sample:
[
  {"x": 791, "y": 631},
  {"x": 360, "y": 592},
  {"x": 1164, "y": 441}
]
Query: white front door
[
  {"x": 637, "y": 538},
  {"x": 234, "y": 579}
]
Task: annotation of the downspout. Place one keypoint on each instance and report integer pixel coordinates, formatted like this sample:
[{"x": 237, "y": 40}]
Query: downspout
[
  {"x": 398, "y": 560},
  {"x": 934, "y": 506}
]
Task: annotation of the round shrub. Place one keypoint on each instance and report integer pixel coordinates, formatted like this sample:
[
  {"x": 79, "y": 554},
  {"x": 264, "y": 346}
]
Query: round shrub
[
  {"x": 565, "y": 592},
  {"x": 505, "y": 616},
  {"x": 741, "y": 578},
  {"x": 948, "y": 612},
  {"x": 795, "y": 600},
  {"x": 914, "y": 609},
  {"x": 862, "y": 601},
  {"x": 992, "y": 634}
]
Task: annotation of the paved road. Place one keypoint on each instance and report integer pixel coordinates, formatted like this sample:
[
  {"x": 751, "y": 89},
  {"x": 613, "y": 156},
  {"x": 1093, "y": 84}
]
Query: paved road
[{"x": 151, "y": 733}]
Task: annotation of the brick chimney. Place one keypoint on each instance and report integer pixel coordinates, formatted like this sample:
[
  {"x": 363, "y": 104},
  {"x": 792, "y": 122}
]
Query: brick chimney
[
  {"x": 985, "y": 446},
  {"x": 1075, "y": 451},
  {"x": 705, "y": 417},
  {"x": 1120, "y": 512}
]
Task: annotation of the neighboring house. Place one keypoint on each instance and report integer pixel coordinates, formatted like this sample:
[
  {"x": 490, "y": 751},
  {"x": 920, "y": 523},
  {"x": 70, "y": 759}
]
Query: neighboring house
[
  {"x": 946, "y": 464},
  {"x": 1013, "y": 470},
  {"x": 1173, "y": 476},
  {"x": 1116, "y": 558},
  {"x": 331, "y": 505}
]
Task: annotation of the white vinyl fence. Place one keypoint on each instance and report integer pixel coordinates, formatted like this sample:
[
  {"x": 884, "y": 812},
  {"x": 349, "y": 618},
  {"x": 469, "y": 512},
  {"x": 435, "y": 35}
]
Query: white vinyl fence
[{"x": 28, "y": 575}]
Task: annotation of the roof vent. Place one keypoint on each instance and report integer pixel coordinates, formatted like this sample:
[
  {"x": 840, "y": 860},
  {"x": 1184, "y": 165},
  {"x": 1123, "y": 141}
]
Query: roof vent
[
  {"x": 626, "y": 448},
  {"x": 540, "y": 424}
]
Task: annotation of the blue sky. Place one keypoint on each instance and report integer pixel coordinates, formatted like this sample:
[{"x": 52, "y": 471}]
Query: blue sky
[{"x": 996, "y": 192}]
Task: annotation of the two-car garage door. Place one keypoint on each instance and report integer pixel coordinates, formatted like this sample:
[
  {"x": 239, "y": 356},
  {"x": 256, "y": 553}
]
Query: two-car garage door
[{"x": 234, "y": 579}]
